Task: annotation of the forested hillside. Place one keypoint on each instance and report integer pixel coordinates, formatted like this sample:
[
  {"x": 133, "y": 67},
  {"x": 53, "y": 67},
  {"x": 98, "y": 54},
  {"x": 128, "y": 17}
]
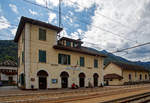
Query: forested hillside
[{"x": 8, "y": 50}]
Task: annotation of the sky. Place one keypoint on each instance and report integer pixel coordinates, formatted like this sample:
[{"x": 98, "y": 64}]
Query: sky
[{"x": 108, "y": 25}]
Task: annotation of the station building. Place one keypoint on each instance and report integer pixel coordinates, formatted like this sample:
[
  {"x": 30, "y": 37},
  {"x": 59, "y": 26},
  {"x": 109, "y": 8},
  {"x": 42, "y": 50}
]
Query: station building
[
  {"x": 117, "y": 73},
  {"x": 45, "y": 62}
]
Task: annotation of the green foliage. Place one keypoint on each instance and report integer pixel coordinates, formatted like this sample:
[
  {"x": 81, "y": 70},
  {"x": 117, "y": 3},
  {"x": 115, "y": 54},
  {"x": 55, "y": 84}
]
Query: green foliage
[{"x": 8, "y": 50}]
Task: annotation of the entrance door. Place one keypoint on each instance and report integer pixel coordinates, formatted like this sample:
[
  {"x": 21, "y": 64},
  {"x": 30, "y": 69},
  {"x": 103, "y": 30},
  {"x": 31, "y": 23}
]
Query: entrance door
[
  {"x": 64, "y": 82},
  {"x": 64, "y": 79},
  {"x": 81, "y": 82},
  {"x": 42, "y": 79},
  {"x": 95, "y": 82},
  {"x": 107, "y": 82},
  {"x": 95, "y": 77},
  {"x": 42, "y": 83},
  {"x": 81, "y": 79}
]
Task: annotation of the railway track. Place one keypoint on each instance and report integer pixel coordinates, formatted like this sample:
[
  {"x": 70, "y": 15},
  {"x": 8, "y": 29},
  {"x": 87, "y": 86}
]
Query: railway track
[
  {"x": 67, "y": 96},
  {"x": 140, "y": 98}
]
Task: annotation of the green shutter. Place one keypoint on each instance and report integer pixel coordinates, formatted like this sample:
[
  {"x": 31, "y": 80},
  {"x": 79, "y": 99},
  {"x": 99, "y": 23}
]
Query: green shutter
[
  {"x": 22, "y": 56},
  {"x": 81, "y": 61},
  {"x": 42, "y": 34},
  {"x": 95, "y": 63},
  {"x": 42, "y": 56}
]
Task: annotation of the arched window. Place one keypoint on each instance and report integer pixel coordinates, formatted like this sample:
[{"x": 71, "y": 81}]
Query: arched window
[
  {"x": 130, "y": 77},
  {"x": 145, "y": 76},
  {"x": 140, "y": 76}
]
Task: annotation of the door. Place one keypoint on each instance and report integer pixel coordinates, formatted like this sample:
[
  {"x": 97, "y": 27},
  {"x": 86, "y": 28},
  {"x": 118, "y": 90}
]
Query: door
[
  {"x": 107, "y": 82},
  {"x": 81, "y": 82},
  {"x": 42, "y": 83},
  {"x": 95, "y": 82},
  {"x": 64, "y": 82}
]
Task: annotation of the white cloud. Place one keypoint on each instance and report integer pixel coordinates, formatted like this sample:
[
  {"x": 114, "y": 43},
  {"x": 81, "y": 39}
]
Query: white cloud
[
  {"x": 129, "y": 13},
  {"x": 14, "y": 8},
  {"x": 48, "y": 3},
  {"x": 51, "y": 17},
  {"x": 32, "y": 12},
  {"x": 13, "y": 31},
  {"x": 4, "y": 23}
]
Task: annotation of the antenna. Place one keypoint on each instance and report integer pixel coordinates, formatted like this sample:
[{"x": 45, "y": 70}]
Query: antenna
[{"x": 59, "y": 13}]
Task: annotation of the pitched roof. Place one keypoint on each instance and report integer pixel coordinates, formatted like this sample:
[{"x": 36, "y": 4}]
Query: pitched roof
[
  {"x": 126, "y": 66},
  {"x": 8, "y": 63},
  {"x": 112, "y": 76},
  {"x": 84, "y": 50},
  {"x": 35, "y": 22}
]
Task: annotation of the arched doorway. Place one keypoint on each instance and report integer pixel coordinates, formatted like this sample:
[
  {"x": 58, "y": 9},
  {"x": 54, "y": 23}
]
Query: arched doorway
[
  {"x": 95, "y": 77},
  {"x": 42, "y": 79},
  {"x": 81, "y": 79},
  {"x": 64, "y": 79}
]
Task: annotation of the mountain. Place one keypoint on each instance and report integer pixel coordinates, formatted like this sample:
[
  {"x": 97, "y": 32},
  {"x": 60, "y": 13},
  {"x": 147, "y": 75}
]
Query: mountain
[{"x": 8, "y": 50}]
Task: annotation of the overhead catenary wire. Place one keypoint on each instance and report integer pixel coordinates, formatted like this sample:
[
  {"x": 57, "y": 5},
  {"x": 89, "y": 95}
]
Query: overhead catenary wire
[
  {"x": 121, "y": 50},
  {"x": 79, "y": 5},
  {"x": 110, "y": 32}
]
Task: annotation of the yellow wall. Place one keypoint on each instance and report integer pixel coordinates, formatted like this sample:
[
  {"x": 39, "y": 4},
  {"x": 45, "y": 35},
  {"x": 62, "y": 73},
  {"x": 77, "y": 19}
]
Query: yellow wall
[
  {"x": 115, "y": 82},
  {"x": 52, "y": 67},
  {"x": 112, "y": 68},
  {"x": 20, "y": 50},
  {"x": 135, "y": 75}
]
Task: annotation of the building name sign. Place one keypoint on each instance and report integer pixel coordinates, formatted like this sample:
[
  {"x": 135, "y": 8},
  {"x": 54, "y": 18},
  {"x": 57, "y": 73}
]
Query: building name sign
[{"x": 72, "y": 68}]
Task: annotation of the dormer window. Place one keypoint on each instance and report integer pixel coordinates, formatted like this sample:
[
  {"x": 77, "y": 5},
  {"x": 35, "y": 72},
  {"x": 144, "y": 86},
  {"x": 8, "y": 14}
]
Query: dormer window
[
  {"x": 75, "y": 44},
  {"x": 68, "y": 43}
]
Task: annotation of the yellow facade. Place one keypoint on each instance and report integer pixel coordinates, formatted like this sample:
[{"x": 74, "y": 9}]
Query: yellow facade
[
  {"x": 32, "y": 66},
  {"x": 134, "y": 74}
]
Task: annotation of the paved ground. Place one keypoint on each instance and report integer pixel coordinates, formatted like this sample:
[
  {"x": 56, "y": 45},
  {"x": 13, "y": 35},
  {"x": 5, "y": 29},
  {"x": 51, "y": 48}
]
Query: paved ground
[{"x": 93, "y": 95}]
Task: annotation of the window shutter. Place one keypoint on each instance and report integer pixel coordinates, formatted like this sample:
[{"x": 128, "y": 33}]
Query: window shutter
[
  {"x": 95, "y": 63},
  {"x": 42, "y": 56},
  {"x": 81, "y": 61},
  {"x": 22, "y": 56},
  {"x": 42, "y": 34}
]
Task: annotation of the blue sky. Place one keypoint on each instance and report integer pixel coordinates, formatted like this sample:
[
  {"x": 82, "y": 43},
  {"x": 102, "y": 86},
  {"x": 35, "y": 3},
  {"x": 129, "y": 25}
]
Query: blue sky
[{"x": 101, "y": 24}]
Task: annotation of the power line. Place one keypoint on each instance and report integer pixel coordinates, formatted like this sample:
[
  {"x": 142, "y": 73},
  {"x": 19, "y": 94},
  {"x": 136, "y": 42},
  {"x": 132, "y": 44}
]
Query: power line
[
  {"x": 79, "y": 5},
  {"x": 81, "y": 21},
  {"x": 121, "y": 50}
]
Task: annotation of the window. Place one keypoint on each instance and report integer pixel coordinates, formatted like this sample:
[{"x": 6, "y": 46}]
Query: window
[
  {"x": 68, "y": 43},
  {"x": 140, "y": 76},
  {"x": 145, "y": 76},
  {"x": 75, "y": 44},
  {"x": 81, "y": 61},
  {"x": 42, "y": 56},
  {"x": 130, "y": 77},
  {"x": 22, "y": 79},
  {"x": 10, "y": 79},
  {"x": 64, "y": 59},
  {"x": 22, "y": 56},
  {"x": 95, "y": 63},
  {"x": 18, "y": 61},
  {"x": 42, "y": 34}
]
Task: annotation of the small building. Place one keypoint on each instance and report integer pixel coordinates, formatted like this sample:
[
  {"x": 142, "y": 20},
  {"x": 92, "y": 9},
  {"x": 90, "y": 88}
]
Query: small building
[
  {"x": 8, "y": 72},
  {"x": 45, "y": 62},
  {"x": 117, "y": 73}
]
